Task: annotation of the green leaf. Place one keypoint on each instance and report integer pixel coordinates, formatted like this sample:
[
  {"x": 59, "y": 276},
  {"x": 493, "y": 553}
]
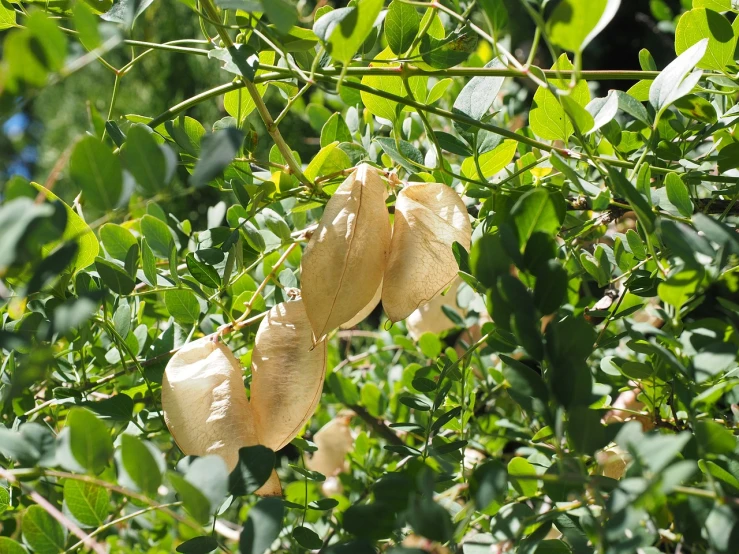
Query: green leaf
[
  {"x": 676, "y": 80},
  {"x": 373, "y": 399},
  {"x": 145, "y": 159},
  {"x": 679, "y": 287},
  {"x": 623, "y": 188},
  {"x": 345, "y": 29},
  {"x": 496, "y": 14},
  {"x": 715, "y": 439},
  {"x": 114, "y": 276},
  {"x": 702, "y": 24},
  {"x": 195, "y": 502},
  {"x": 85, "y": 22},
  {"x": 117, "y": 240},
  {"x": 9, "y": 546},
  {"x": 97, "y": 171},
  {"x": 402, "y": 152},
  {"x": 537, "y": 211},
  {"x": 382, "y": 107},
  {"x": 149, "y": 263},
  {"x": 335, "y": 130},
  {"x": 7, "y": 17},
  {"x": 42, "y": 532},
  {"x": 402, "y": 23},
  {"x": 603, "y": 110},
  {"x": 636, "y": 244},
  {"x": 277, "y": 224},
  {"x": 716, "y": 5},
  {"x": 678, "y": 194},
  {"x": 252, "y": 471},
  {"x": 450, "y": 51},
  {"x": 76, "y": 229},
  {"x": 488, "y": 484},
  {"x": 183, "y": 305},
  {"x": 579, "y": 116},
  {"x": 527, "y": 387},
  {"x": 522, "y": 467},
  {"x": 140, "y": 465},
  {"x": 13, "y": 445},
  {"x": 4, "y": 500},
  {"x": 330, "y": 159},
  {"x": 262, "y": 526},
  {"x": 547, "y": 118},
  {"x": 217, "y": 152},
  {"x": 198, "y": 545},
  {"x": 89, "y": 440},
  {"x": 491, "y": 162},
  {"x": 429, "y": 519},
  {"x": 158, "y": 236},
  {"x": 550, "y": 290},
  {"x": 204, "y": 273},
  {"x": 282, "y": 14},
  {"x": 88, "y": 503},
  {"x": 575, "y": 23},
  {"x": 307, "y": 538}
]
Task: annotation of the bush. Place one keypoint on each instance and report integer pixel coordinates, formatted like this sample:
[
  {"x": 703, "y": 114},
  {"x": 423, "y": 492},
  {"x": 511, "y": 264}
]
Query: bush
[{"x": 360, "y": 279}]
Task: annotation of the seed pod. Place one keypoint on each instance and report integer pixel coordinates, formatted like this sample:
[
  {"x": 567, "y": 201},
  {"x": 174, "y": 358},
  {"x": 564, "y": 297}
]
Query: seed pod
[
  {"x": 430, "y": 318},
  {"x": 334, "y": 442},
  {"x": 344, "y": 261},
  {"x": 287, "y": 374},
  {"x": 205, "y": 405},
  {"x": 612, "y": 462},
  {"x": 429, "y": 218},
  {"x": 364, "y": 312}
]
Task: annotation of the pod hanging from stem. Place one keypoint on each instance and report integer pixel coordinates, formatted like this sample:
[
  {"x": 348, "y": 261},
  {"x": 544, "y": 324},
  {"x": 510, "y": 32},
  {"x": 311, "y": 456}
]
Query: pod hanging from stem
[
  {"x": 287, "y": 374},
  {"x": 429, "y": 219},
  {"x": 205, "y": 405},
  {"x": 344, "y": 261}
]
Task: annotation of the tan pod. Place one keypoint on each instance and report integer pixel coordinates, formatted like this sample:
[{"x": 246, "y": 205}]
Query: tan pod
[
  {"x": 205, "y": 405},
  {"x": 429, "y": 218},
  {"x": 287, "y": 374},
  {"x": 342, "y": 265},
  {"x": 430, "y": 318},
  {"x": 364, "y": 312},
  {"x": 334, "y": 441}
]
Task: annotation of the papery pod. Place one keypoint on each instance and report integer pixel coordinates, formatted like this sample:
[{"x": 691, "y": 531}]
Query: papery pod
[
  {"x": 334, "y": 441},
  {"x": 287, "y": 374},
  {"x": 364, "y": 312},
  {"x": 342, "y": 265},
  {"x": 612, "y": 462},
  {"x": 429, "y": 218},
  {"x": 205, "y": 405},
  {"x": 430, "y": 318}
]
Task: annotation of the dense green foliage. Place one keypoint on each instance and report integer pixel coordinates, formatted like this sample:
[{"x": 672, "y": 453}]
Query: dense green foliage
[{"x": 576, "y": 393}]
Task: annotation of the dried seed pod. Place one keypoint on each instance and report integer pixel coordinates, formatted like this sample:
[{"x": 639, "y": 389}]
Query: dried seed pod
[
  {"x": 430, "y": 318},
  {"x": 612, "y": 462},
  {"x": 429, "y": 218},
  {"x": 287, "y": 374},
  {"x": 344, "y": 261},
  {"x": 364, "y": 312},
  {"x": 205, "y": 405},
  {"x": 334, "y": 441}
]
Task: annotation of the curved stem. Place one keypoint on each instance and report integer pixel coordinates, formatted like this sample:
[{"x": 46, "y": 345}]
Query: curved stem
[{"x": 269, "y": 123}]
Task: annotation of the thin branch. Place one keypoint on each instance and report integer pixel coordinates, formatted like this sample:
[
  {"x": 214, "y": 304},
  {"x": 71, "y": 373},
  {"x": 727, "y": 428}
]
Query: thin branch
[{"x": 50, "y": 509}]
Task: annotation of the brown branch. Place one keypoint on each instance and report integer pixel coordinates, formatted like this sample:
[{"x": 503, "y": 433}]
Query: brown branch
[{"x": 377, "y": 425}]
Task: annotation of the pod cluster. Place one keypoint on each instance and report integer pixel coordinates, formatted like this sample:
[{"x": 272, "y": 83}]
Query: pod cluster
[
  {"x": 204, "y": 399},
  {"x": 354, "y": 260}
]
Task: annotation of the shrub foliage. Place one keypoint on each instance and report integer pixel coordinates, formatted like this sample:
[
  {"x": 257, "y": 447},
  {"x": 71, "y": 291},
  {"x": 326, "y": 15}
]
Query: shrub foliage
[{"x": 573, "y": 390}]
